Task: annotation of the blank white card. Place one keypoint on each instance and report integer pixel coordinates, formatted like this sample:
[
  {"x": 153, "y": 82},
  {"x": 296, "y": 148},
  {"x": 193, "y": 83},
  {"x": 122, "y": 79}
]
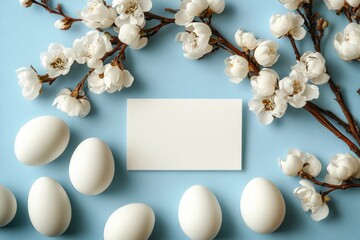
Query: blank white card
[{"x": 184, "y": 134}]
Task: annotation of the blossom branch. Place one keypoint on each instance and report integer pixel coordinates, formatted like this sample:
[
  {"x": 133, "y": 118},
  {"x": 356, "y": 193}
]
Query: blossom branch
[
  {"x": 327, "y": 124},
  {"x": 77, "y": 90},
  {"x": 316, "y": 28},
  {"x": 232, "y": 49},
  {"x": 334, "y": 117},
  {"x": 295, "y": 48},
  {"x": 333, "y": 187},
  {"x": 58, "y": 10}
]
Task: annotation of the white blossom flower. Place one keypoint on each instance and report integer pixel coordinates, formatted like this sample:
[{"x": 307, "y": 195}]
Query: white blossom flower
[
  {"x": 109, "y": 78},
  {"x": 312, "y": 66},
  {"x": 25, "y": 3},
  {"x": 57, "y": 60},
  {"x": 130, "y": 34},
  {"x": 293, "y": 4},
  {"x": 73, "y": 106},
  {"x": 293, "y": 163},
  {"x": 29, "y": 82},
  {"x": 347, "y": 44},
  {"x": 195, "y": 40},
  {"x": 96, "y": 83},
  {"x": 131, "y": 11},
  {"x": 299, "y": 92},
  {"x": 91, "y": 48},
  {"x": 266, "y": 53},
  {"x": 297, "y": 160},
  {"x": 63, "y": 24},
  {"x": 236, "y": 68},
  {"x": 97, "y": 15},
  {"x": 342, "y": 167},
  {"x": 116, "y": 79},
  {"x": 189, "y": 9},
  {"x": 311, "y": 200},
  {"x": 246, "y": 40},
  {"x": 265, "y": 83},
  {"x": 288, "y": 24},
  {"x": 267, "y": 108},
  {"x": 216, "y": 6}
]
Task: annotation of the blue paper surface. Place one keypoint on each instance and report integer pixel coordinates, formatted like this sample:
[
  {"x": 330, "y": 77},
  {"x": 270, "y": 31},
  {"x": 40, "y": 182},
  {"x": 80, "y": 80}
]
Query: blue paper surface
[{"x": 161, "y": 71}]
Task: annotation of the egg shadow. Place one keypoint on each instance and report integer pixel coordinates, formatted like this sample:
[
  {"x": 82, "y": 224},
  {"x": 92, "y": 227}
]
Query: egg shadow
[
  {"x": 290, "y": 221},
  {"x": 77, "y": 225},
  {"x": 227, "y": 230},
  {"x": 20, "y": 219},
  {"x": 120, "y": 180},
  {"x": 160, "y": 227}
]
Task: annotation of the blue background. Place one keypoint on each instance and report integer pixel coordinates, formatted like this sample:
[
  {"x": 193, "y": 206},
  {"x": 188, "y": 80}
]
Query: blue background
[{"x": 161, "y": 71}]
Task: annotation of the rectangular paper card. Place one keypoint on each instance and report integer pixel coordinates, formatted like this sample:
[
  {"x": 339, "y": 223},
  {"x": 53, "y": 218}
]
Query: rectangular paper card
[{"x": 184, "y": 134}]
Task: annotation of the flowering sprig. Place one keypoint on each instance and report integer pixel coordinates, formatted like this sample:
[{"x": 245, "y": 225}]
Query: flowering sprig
[
  {"x": 343, "y": 171},
  {"x": 63, "y": 24},
  {"x": 117, "y": 27}
]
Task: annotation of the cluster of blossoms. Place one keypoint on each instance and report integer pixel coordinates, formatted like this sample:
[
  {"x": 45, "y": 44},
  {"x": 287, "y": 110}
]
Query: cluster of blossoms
[
  {"x": 272, "y": 94},
  {"x": 342, "y": 168},
  {"x": 347, "y": 43},
  {"x": 127, "y": 17}
]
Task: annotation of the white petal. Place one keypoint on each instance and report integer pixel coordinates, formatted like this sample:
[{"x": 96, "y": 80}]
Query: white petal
[
  {"x": 321, "y": 79},
  {"x": 307, "y": 184},
  {"x": 311, "y": 92},
  {"x": 298, "y": 33},
  {"x": 321, "y": 213},
  {"x": 331, "y": 180},
  {"x": 265, "y": 117}
]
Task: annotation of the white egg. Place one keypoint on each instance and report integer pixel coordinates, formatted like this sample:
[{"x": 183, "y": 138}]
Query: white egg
[
  {"x": 49, "y": 207},
  {"x": 134, "y": 221},
  {"x": 262, "y": 206},
  {"x": 41, "y": 140},
  {"x": 199, "y": 213},
  {"x": 91, "y": 167},
  {"x": 8, "y": 206}
]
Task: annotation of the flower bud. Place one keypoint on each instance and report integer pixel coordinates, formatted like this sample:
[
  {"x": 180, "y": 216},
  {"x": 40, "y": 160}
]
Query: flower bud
[
  {"x": 343, "y": 167},
  {"x": 266, "y": 53},
  {"x": 63, "y": 24},
  {"x": 246, "y": 40},
  {"x": 25, "y": 3},
  {"x": 236, "y": 68},
  {"x": 265, "y": 83}
]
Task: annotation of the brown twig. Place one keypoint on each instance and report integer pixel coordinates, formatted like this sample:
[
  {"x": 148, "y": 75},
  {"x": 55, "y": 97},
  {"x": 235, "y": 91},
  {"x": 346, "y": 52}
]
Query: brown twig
[
  {"x": 334, "y": 117},
  {"x": 327, "y": 124},
  {"x": 316, "y": 31},
  {"x": 77, "y": 90},
  {"x": 333, "y": 187},
  {"x": 58, "y": 10},
  {"x": 295, "y": 48},
  {"x": 232, "y": 49}
]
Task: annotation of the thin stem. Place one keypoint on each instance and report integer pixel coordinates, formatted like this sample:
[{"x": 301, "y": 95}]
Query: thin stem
[
  {"x": 327, "y": 124},
  {"x": 80, "y": 85},
  {"x": 151, "y": 16},
  {"x": 295, "y": 48},
  {"x": 58, "y": 10},
  {"x": 350, "y": 119},
  {"x": 332, "y": 187},
  {"x": 334, "y": 117},
  {"x": 170, "y": 10},
  {"x": 228, "y": 45},
  {"x": 316, "y": 31}
]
